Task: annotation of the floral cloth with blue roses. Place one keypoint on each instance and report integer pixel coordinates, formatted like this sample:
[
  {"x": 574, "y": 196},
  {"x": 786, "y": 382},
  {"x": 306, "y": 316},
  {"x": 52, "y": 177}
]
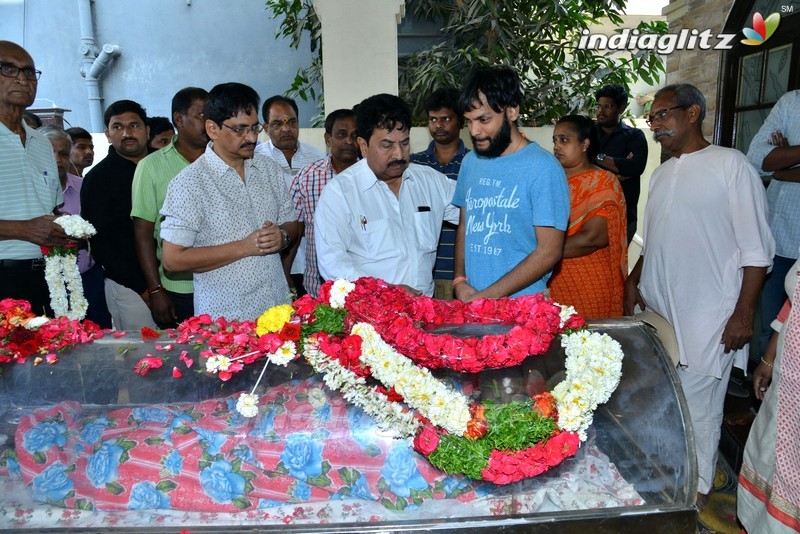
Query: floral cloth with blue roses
[{"x": 305, "y": 445}]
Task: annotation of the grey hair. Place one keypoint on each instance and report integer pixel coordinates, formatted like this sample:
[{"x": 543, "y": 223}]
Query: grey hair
[
  {"x": 53, "y": 132},
  {"x": 685, "y": 95}
]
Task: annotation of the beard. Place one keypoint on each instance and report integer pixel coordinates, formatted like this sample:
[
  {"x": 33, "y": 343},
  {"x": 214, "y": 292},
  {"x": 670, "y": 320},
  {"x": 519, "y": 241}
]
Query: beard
[{"x": 497, "y": 144}]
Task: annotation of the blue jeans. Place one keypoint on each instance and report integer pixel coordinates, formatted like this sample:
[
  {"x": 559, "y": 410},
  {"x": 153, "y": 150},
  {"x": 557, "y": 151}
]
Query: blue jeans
[{"x": 773, "y": 295}]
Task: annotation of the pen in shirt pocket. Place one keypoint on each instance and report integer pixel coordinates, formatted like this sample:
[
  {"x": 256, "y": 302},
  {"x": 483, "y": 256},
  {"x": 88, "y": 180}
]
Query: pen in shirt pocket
[{"x": 363, "y": 223}]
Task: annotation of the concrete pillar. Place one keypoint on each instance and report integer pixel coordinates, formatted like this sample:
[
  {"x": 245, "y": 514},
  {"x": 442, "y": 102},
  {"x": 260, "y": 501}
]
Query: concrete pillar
[{"x": 359, "y": 49}]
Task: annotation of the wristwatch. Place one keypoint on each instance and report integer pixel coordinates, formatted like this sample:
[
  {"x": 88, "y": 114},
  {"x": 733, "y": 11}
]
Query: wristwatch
[
  {"x": 286, "y": 238},
  {"x": 600, "y": 157}
]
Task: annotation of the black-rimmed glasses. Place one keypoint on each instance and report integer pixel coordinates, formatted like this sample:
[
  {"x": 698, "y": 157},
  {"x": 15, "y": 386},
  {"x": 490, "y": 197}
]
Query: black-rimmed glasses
[
  {"x": 661, "y": 114},
  {"x": 12, "y": 71}
]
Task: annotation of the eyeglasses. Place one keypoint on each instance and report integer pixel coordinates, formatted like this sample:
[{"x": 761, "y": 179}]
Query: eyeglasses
[
  {"x": 244, "y": 130},
  {"x": 12, "y": 71},
  {"x": 661, "y": 114},
  {"x": 277, "y": 123}
]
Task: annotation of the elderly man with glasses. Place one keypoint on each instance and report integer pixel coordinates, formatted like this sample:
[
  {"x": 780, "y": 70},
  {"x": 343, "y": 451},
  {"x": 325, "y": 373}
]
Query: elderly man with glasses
[
  {"x": 31, "y": 187},
  {"x": 228, "y": 215},
  {"x": 622, "y": 149},
  {"x": 707, "y": 248}
]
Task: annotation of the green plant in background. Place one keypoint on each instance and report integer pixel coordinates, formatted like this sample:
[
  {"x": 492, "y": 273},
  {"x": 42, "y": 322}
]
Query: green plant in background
[{"x": 537, "y": 37}]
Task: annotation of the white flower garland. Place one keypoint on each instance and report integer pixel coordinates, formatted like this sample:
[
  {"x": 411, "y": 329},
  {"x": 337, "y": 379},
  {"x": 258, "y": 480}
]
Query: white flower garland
[
  {"x": 388, "y": 415},
  {"x": 442, "y": 405},
  {"x": 594, "y": 367},
  {"x": 62, "y": 274}
]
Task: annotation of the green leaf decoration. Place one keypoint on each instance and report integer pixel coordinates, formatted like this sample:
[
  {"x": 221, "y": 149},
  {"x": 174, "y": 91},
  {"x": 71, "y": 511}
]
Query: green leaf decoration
[
  {"x": 39, "y": 457},
  {"x": 348, "y": 476},
  {"x": 382, "y": 486},
  {"x": 165, "y": 486},
  {"x": 373, "y": 450},
  {"x": 115, "y": 488},
  {"x": 771, "y": 24},
  {"x": 321, "y": 481},
  {"x": 241, "y": 503},
  {"x": 388, "y": 504},
  {"x": 154, "y": 441},
  {"x": 127, "y": 444},
  {"x": 84, "y": 504}
]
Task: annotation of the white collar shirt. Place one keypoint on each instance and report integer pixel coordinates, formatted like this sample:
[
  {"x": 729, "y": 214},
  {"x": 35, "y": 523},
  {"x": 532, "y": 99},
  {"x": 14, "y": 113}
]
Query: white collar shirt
[{"x": 363, "y": 229}]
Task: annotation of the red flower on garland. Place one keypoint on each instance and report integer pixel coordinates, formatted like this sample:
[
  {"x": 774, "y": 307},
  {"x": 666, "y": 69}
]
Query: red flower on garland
[
  {"x": 290, "y": 332},
  {"x": 399, "y": 319},
  {"x": 426, "y": 440}
]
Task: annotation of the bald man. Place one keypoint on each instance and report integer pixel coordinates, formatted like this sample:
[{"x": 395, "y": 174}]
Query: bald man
[{"x": 30, "y": 185}]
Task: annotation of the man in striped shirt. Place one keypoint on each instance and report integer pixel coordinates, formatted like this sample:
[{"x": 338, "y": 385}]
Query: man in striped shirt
[
  {"x": 31, "y": 189},
  {"x": 341, "y": 138}
]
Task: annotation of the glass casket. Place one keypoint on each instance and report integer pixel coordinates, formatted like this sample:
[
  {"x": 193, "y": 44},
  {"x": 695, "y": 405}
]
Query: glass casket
[{"x": 636, "y": 471}]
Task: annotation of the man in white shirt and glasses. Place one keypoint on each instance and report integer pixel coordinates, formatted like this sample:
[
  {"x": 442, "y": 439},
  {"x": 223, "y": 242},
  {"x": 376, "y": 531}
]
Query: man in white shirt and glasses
[{"x": 382, "y": 216}]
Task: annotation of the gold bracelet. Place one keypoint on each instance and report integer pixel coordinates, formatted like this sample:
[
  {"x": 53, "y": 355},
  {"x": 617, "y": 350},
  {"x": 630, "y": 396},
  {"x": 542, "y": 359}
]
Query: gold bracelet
[{"x": 765, "y": 362}]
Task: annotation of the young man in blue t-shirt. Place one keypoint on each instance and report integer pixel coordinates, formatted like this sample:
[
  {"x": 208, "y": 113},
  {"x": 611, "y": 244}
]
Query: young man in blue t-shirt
[{"x": 513, "y": 196}]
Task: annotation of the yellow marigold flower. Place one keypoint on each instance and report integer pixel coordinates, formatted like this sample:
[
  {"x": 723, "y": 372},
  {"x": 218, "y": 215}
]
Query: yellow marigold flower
[{"x": 273, "y": 319}]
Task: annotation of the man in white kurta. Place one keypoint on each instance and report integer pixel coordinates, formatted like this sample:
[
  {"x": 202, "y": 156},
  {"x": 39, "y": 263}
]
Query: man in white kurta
[
  {"x": 382, "y": 217},
  {"x": 707, "y": 247}
]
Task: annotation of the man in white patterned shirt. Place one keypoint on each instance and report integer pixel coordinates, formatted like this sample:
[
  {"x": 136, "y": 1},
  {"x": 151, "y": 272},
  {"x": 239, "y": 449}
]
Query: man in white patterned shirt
[
  {"x": 228, "y": 215},
  {"x": 280, "y": 120},
  {"x": 341, "y": 139}
]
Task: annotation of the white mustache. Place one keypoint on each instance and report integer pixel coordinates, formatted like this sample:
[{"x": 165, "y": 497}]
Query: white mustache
[{"x": 660, "y": 133}]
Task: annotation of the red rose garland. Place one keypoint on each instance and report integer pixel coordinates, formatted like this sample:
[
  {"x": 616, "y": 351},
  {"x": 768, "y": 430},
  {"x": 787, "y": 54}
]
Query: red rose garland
[{"x": 398, "y": 316}]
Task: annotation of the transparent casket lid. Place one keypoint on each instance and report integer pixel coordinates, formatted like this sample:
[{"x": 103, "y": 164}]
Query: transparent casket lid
[{"x": 310, "y": 461}]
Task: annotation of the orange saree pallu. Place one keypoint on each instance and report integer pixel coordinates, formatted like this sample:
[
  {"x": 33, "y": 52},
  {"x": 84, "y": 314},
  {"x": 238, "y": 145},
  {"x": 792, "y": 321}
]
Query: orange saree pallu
[{"x": 593, "y": 284}]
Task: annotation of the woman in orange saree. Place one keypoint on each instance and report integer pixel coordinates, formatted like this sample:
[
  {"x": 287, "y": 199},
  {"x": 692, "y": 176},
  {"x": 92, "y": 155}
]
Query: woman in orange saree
[{"x": 594, "y": 265}]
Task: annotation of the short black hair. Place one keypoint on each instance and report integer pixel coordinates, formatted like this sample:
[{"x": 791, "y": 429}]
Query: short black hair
[
  {"x": 499, "y": 84},
  {"x": 158, "y": 125},
  {"x": 184, "y": 99},
  {"x": 124, "y": 106},
  {"x": 585, "y": 128},
  {"x": 334, "y": 116},
  {"x": 383, "y": 111},
  {"x": 226, "y": 100},
  {"x": 76, "y": 132},
  {"x": 444, "y": 98},
  {"x": 615, "y": 92},
  {"x": 278, "y": 99}
]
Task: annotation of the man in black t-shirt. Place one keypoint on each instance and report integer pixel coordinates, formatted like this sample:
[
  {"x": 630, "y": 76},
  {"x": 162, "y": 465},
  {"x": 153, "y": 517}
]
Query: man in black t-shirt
[{"x": 623, "y": 149}]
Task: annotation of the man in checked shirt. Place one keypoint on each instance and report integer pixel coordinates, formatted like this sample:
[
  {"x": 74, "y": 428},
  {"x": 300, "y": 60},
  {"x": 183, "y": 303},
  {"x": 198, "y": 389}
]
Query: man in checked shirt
[{"x": 341, "y": 139}]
